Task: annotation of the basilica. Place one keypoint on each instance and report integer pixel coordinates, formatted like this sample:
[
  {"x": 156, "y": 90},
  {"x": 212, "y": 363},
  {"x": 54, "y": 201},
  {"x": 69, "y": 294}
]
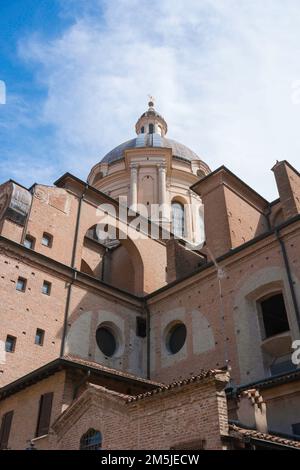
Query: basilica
[{"x": 173, "y": 328}]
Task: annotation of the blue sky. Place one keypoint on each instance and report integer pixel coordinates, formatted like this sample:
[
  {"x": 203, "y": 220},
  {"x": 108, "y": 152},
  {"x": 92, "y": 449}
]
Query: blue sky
[{"x": 225, "y": 74}]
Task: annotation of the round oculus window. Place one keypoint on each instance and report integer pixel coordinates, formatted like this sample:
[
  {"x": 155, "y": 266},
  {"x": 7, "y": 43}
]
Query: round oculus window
[
  {"x": 176, "y": 338},
  {"x": 106, "y": 341}
]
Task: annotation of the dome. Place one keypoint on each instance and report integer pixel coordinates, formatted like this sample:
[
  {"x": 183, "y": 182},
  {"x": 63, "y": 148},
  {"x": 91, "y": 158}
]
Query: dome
[
  {"x": 151, "y": 140},
  {"x": 151, "y": 129}
]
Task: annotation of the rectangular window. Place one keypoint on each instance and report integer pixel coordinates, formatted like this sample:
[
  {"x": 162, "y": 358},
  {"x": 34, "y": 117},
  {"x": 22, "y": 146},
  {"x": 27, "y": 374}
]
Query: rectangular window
[
  {"x": 5, "y": 429},
  {"x": 46, "y": 288},
  {"x": 10, "y": 344},
  {"x": 39, "y": 337},
  {"x": 21, "y": 284},
  {"x": 274, "y": 315},
  {"x": 141, "y": 327},
  {"x": 296, "y": 429},
  {"x": 44, "y": 415},
  {"x": 29, "y": 242},
  {"x": 47, "y": 240}
]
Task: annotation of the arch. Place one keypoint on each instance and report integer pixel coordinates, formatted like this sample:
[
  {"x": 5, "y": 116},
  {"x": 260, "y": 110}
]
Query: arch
[
  {"x": 120, "y": 261},
  {"x": 149, "y": 273},
  {"x": 260, "y": 285},
  {"x": 179, "y": 198},
  {"x": 91, "y": 440},
  {"x": 151, "y": 128}
]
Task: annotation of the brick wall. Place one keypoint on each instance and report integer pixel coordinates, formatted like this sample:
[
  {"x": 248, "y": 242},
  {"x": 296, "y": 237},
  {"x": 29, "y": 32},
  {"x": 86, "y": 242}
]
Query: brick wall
[
  {"x": 26, "y": 407},
  {"x": 181, "y": 261},
  {"x": 191, "y": 413},
  {"x": 249, "y": 274},
  {"x": 288, "y": 184},
  {"x": 23, "y": 312}
]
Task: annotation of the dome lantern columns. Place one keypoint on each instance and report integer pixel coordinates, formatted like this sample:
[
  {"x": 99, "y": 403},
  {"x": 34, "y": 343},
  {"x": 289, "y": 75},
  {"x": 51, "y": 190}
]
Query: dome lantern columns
[{"x": 151, "y": 122}]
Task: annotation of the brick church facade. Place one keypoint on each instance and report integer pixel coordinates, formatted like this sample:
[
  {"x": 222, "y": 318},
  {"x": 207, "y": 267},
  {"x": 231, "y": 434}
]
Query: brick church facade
[{"x": 150, "y": 342}]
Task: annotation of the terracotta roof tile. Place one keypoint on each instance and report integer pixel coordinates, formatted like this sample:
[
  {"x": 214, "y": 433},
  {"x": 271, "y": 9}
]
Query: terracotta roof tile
[
  {"x": 203, "y": 374},
  {"x": 270, "y": 381},
  {"x": 101, "y": 367},
  {"x": 263, "y": 437}
]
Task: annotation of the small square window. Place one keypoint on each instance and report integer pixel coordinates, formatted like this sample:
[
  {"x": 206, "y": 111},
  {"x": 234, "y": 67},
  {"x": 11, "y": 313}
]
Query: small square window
[
  {"x": 141, "y": 327},
  {"x": 39, "y": 337},
  {"x": 47, "y": 240},
  {"x": 21, "y": 284},
  {"x": 10, "y": 344},
  {"x": 29, "y": 242},
  {"x": 46, "y": 288}
]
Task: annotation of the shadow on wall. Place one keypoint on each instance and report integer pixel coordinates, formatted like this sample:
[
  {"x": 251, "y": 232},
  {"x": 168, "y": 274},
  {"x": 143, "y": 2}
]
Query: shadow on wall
[
  {"x": 105, "y": 331},
  {"x": 115, "y": 262}
]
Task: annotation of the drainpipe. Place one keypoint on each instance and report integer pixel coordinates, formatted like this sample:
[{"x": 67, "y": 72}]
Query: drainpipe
[
  {"x": 267, "y": 214},
  {"x": 103, "y": 264},
  {"x": 75, "y": 243},
  {"x": 220, "y": 276},
  {"x": 73, "y": 261},
  {"x": 289, "y": 275},
  {"x": 67, "y": 308},
  {"x": 148, "y": 329}
]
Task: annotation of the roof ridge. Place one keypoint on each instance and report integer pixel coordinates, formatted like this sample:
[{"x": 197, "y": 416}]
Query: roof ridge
[
  {"x": 203, "y": 374},
  {"x": 97, "y": 365}
]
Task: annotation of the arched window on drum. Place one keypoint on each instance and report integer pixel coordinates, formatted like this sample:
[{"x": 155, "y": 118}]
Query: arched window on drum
[{"x": 178, "y": 219}]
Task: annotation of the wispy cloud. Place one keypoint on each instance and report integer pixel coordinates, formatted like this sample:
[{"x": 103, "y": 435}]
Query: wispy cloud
[{"x": 222, "y": 73}]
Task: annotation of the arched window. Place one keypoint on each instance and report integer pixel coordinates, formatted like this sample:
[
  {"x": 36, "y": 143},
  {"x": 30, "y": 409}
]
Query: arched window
[
  {"x": 142, "y": 130},
  {"x": 151, "y": 128},
  {"x": 91, "y": 440},
  {"x": 178, "y": 219}
]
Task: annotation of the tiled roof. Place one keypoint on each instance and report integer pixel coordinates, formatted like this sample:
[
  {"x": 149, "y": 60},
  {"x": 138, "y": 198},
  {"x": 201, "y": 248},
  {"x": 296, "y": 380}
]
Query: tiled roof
[
  {"x": 270, "y": 381},
  {"x": 196, "y": 378},
  {"x": 249, "y": 433},
  {"x": 109, "y": 391},
  {"x": 101, "y": 367},
  {"x": 71, "y": 361}
]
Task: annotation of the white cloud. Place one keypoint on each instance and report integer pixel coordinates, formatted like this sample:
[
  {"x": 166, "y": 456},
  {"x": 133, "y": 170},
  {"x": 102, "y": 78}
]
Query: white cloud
[{"x": 222, "y": 73}]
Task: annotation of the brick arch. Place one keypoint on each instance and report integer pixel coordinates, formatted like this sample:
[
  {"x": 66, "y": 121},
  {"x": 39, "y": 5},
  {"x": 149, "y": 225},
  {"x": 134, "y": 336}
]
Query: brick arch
[
  {"x": 264, "y": 281},
  {"x": 129, "y": 266},
  {"x": 148, "y": 256}
]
